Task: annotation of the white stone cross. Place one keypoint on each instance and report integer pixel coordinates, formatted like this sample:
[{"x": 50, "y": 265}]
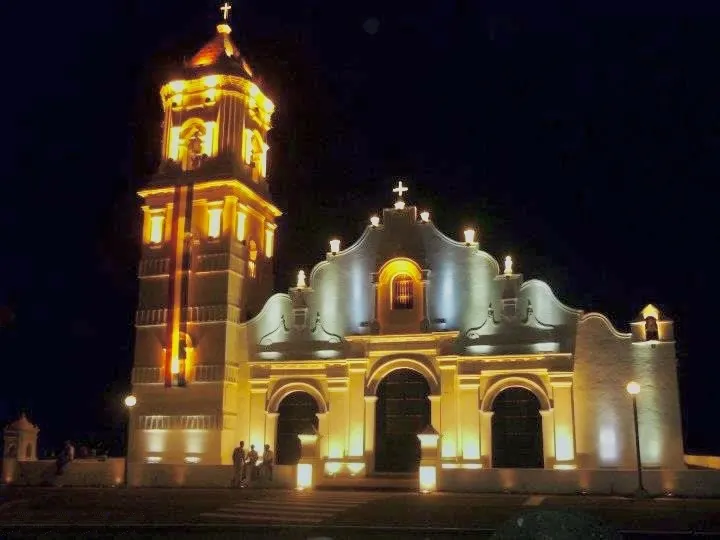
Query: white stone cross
[
  {"x": 400, "y": 189},
  {"x": 226, "y": 10}
]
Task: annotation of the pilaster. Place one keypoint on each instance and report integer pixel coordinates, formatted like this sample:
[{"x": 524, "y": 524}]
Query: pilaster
[
  {"x": 339, "y": 394},
  {"x": 548, "y": 435},
  {"x": 271, "y": 420},
  {"x": 448, "y": 411},
  {"x": 563, "y": 421},
  {"x": 469, "y": 386},
  {"x": 370, "y": 406},
  {"x": 258, "y": 394},
  {"x": 357, "y": 409},
  {"x": 486, "y": 437}
]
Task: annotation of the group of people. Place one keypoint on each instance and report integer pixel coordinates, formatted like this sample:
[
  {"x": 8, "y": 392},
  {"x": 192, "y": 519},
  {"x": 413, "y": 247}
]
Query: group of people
[{"x": 246, "y": 467}]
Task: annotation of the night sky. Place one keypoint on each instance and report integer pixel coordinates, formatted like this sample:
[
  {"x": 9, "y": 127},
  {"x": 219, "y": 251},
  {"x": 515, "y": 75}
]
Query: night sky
[{"x": 586, "y": 147}]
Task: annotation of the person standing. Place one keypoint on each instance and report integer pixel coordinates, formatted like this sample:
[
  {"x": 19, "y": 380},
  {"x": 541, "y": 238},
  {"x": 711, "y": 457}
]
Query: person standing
[
  {"x": 238, "y": 458},
  {"x": 252, "y": 459},
  {"x": 268, "y": 459}
]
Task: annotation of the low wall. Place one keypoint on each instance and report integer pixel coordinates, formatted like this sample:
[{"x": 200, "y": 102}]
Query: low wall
[
  {"x": 196, "y": 475},
  {"x": 686, "y": 483},
  {"x": 704, "y": 462},
  {"x": 81, "y": 472}
]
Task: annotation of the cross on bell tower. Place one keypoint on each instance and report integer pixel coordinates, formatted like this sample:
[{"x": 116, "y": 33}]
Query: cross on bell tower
[{"x": 400, "y": 189}]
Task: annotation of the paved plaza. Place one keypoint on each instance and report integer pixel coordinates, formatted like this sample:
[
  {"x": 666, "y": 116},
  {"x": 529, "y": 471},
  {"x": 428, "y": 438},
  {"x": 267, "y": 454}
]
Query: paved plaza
[{"x": 204, "y": 513}]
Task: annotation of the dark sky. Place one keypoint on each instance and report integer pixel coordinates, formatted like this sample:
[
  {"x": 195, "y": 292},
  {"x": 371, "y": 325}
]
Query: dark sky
[{"x": 588, "y": 147}]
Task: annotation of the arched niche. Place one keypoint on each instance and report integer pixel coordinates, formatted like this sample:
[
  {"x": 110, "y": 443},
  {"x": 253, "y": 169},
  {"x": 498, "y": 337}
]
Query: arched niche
[{"x": 383, "y": 368}]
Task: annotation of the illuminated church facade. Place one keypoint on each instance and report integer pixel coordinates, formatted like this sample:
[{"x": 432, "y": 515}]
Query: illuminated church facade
[{"x": 401, "y": 331}]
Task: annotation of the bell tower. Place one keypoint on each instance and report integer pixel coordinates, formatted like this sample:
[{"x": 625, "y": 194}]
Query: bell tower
[{"x": 208, "y": 244}]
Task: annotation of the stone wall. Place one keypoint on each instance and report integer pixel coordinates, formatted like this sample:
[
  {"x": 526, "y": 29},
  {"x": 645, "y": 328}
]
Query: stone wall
[
  {"x": 206, "y": 476},
  {"x": 684, "y": 483},
  {"x": 81, "y": 472}
]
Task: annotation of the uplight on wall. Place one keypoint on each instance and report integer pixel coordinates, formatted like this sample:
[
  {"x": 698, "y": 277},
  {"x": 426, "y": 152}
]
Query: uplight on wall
[
  {"x": 469, "y": 236},
  {"x": 428, "y": 478},
  {"x": 425, "y": 216},
  {"x": 214, "y": 222},
  {"x": 304, "y": 476},
  {"x": 374, "y": 221},
  {"x": 334, "y": 246}
]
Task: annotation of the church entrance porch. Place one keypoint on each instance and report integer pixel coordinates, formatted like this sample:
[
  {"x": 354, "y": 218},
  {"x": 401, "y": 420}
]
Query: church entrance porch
[
  {"x": 297, "y": 412},
  {"x": 403, "y": 411},
  {"x": 517, "y": 430}
]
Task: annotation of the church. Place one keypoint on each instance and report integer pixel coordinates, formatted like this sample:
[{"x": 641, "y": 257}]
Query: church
[{"x": 404, "y": 331}]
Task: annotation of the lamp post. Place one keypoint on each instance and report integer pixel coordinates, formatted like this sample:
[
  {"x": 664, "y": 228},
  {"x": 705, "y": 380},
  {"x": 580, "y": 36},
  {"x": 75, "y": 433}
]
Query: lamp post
[
  {"x": 633, "y": 389},
  {"x": 130, "y": 401}
]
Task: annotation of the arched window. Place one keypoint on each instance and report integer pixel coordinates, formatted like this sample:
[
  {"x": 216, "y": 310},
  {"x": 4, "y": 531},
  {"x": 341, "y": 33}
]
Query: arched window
[{"x": 402, "y": 291}]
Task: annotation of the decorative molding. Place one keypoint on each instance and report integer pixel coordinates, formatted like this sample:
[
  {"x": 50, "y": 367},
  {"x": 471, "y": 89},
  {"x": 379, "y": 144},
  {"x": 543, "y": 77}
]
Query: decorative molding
[
  {"x": 154, "y": 267},
  {"x": 161, "y": 422}
]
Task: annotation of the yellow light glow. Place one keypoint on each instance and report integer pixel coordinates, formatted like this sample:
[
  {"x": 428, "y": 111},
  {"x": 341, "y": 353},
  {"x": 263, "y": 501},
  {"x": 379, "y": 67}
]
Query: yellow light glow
[
  {"x": 211, "y": 81},
  {"x": 428, "y": 478},
  {"x": 130, "y": 401},
  {"x": 253, "y": 90},
  {"x": 209, "y": 138},
  {"x": 252, "y": 269},
  {"x": 157, "y": 223},
  {"x": 175, "y": 365},
  {"x": 469, "y": 236},
  {"x": 177, "y": 86},
  {"x": 564, "y": 466},
  {"x": 174, "y": 144},
  {"x": 192, "y": 459},
  {"x": 263, "y": 160},
  {"x": 563, "y": 443},
  {"x": 248, "y": 146},
  {"x": 214, "y": 222},
  {"x": 651, "y": 311},
  {"x": 425, "y": 216},
  {"x": 428, "y": 440},
  {"x": 333, "y": 467},
  {"x": 355, "y": 468},
  {"x": 374, "y": 221},
  {"x": 508, "y": 265},
  {"x": 269, "y": 243},
  {"x": 304, "y": 475},
  {"x": 269, "y": 106},
  {"x": 240, "y": 228},
  {"x": 211, "y": 94},
  {"x": 633, "y": 388},
  {"x": 334, "y": 246}
]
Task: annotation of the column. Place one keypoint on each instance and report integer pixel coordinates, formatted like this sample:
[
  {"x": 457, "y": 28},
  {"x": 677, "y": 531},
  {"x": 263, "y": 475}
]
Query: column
[
  {"x": 339, "y": 393},
  {"x": 564, "y": 429},
  {"x": 448, "y": 412},
  {"x": 370, "y": 403},
  {"x": 548, "y": 434},
  {"x": 258, "y": 393},
  {"x": 486, "y": 437},
  {"x": 271, "y": 419},
  {"x": 375, "y": 324},
  {"x": 435, "y": 412},
  {"x": 357, "y": 411},
  {"x": 469, "y": 418}
]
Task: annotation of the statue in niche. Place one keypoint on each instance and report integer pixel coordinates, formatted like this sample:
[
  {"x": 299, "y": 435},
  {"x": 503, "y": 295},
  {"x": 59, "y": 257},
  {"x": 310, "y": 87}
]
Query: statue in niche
[
  {"x": 508, "y": 265},
  {"x": 301, "y": 280},
  {"x": 651, "y": 329},
  {"x": 195, "y": 151}
]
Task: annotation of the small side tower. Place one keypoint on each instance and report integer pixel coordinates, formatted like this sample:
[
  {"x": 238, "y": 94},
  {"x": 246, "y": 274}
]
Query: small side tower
[
  {"x": 654, "y": 364},
  {"x": 208, "y": 243},
  {"x": 20, "y": 444}
]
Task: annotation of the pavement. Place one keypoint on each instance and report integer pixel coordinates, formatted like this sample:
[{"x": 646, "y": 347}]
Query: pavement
[{"x": 217, "y": 513}]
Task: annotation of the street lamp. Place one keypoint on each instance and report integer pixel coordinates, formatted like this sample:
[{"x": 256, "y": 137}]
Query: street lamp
[
  {"x": 633, "y": 389},
  {"x": 130, "y": 401}
]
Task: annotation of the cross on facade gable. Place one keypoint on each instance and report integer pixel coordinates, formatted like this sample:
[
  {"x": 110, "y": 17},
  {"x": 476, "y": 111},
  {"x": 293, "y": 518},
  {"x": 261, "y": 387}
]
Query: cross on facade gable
[
  {"x": 400, "y": 189},
  {"x": 226, "y": 10}
]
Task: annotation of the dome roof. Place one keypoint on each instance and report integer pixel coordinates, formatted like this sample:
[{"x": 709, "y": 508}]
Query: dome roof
[
  {"x": 221, "y": 52},
  {"x": 22, "y": 424}
]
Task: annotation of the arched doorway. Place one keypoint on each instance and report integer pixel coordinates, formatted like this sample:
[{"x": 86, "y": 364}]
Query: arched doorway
[
  {"x": 296, "y": 413},
  {"x": 517, "y": 430},
  {"x": 403, "y": 411}
]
